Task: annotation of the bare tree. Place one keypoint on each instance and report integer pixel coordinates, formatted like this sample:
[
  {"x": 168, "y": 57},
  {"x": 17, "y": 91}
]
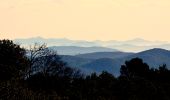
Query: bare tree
[
  {"x": 48, "y": 62},
  {"x": 39, "y": 56}
]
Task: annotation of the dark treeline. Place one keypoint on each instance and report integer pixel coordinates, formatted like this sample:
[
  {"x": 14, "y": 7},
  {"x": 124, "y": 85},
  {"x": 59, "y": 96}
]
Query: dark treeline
[{"x": 38, "y": 73}]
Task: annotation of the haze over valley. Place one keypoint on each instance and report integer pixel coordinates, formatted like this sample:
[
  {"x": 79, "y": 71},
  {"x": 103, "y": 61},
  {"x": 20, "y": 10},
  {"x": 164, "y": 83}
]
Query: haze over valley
[{"x": 134, "y": 45}]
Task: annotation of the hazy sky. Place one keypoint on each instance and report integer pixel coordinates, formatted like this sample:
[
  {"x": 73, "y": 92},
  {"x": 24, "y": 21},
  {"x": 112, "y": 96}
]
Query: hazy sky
[{"x": 85, "y": 19}]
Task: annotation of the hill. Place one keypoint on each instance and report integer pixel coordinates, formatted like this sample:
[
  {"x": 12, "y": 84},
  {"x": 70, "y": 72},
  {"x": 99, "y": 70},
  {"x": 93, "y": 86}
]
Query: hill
[
  {"x": 74, "y": 50},
  {"x": 153, "y": 57},
  {"x": 98, "y": 55},
  {"x": 73, "y": 61}
]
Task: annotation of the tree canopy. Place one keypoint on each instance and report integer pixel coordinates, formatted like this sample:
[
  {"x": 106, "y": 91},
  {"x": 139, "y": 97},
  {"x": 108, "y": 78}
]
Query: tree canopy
[{"x": 13, "y": 61}]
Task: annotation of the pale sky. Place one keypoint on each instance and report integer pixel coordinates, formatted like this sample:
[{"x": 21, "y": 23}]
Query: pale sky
[{"x": 85, "y": 19}]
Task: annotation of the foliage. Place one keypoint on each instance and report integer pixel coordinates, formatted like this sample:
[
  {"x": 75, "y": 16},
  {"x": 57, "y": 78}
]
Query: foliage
[{"x": 13, "y": 61}]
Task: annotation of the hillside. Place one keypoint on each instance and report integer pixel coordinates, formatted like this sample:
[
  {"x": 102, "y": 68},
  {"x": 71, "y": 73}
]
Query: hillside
[
  {"x": 153, "y": 57},
  {"x": 98, "y": 55},
  {"x": 73, "y": 61},
  {"x": 74, "y": 50}
]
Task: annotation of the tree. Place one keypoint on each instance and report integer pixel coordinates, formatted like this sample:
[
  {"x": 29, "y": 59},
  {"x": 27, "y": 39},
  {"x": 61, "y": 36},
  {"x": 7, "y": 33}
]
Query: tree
[
  {"x": 13, "y": 61},
  {"x": 106, "y": 79},
  {"x": 47, "y": 71},
  {"x": 134, "y": 68},
  {"x": 48, "y": 62},
  {"x": 41, "y": 59}
]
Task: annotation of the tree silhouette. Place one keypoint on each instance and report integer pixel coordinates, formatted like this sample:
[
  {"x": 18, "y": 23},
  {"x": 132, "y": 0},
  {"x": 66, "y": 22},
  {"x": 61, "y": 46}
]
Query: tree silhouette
[
  {"x": 48, "y": 72},
  {"x": 13, "y": 61},
  {"x": 134, "y": 68},
  {"x": 37, "y": 55}
]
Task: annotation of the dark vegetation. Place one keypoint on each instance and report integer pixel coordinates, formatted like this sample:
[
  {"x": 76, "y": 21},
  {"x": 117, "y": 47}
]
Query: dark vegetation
[{"x": 39, "y": 74}]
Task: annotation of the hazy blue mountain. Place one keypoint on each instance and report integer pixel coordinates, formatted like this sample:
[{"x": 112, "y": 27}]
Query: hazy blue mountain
[
  {"x": 153, "y": 57},
  {"x": 135, "y": 42},
  {"x": 130, "y": 48},
  {"x": 94, "y": 62},
  {"x": 142, "y": 42},
  {"x": 74, "y": 50},
  {"x": 55, "y": 42},
  {"x": 134, "y": 45},
  {"x": 98, "y": 55},
  {"x": 84, "y": 44},
  {"x": 74, "y": 61},
  {"x": 108, "y": 43},
  {"x": 40, "y": 40},
  {"x": 103, "y": 64}
]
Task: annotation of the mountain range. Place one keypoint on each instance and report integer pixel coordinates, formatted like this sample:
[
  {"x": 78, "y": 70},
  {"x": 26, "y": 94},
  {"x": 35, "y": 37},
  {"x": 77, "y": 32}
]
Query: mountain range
[
  {"x": 96, "y": 63},
  {"x": 134, "y": 45},
  {"x": 74, "y": 50},
  {"x": 97, "y": 56}
]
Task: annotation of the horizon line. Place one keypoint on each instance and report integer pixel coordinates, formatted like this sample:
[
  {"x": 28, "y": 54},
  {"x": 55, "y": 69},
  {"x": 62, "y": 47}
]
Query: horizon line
[{"x": 137, "y": 38}]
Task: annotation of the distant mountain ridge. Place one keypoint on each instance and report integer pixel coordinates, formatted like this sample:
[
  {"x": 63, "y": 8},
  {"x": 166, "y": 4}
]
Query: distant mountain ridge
[
  {"x": 153, "y": 57},
  {"x": 98, "y": 55},
  {"x": 134, "y": 45},
  {"x": 74, "y": 50}
]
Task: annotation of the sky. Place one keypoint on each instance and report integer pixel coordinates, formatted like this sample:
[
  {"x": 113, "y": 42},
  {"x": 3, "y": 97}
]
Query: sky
[{"x": 85, "y": 19}]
